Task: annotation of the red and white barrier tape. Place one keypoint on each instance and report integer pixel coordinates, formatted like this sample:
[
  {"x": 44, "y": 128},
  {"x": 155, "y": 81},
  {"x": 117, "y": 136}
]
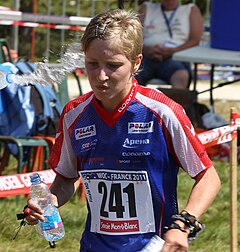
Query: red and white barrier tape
[
  {"x": 222, "y": 134},
  {"x": 52, "y": 26},
  {"x": 218, "y": 136},
  {"x": 17, "y": 184}
]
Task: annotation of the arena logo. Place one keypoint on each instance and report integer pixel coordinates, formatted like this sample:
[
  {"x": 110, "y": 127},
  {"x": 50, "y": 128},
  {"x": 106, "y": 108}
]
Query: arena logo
[
  {"x": 140, "y": 127},
  {"x": 134, "y": 143},
  {"x": 85, "y": 132}
]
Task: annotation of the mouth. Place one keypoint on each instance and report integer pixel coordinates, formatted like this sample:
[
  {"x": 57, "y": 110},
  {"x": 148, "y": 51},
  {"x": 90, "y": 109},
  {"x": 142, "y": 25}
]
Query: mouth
[{"x": 102, "y": 88}]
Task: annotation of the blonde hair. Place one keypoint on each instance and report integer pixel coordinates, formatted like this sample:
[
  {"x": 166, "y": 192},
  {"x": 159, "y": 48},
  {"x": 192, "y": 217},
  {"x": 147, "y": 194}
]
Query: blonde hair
[{"x": 121, "y": 26}]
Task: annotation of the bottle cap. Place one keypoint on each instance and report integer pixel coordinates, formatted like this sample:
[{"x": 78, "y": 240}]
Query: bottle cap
[{"x": 34, "y": 177}]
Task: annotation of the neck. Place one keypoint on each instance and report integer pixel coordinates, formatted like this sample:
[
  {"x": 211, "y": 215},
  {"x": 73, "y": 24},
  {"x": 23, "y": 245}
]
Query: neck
[{"x": 169, "y": 7}]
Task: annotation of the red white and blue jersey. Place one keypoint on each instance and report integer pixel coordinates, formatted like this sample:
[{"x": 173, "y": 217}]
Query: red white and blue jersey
[{"x": 128, "y": 161}]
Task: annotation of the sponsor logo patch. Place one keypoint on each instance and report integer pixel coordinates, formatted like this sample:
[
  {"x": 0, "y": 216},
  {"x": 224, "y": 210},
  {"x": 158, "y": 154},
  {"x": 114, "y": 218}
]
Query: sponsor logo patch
[
  {"x": 136, "y": 154},
  {"x": 134, "y": 143},
  {"x": 84, "y": 132},
  {"x": 140, "y": 127}
]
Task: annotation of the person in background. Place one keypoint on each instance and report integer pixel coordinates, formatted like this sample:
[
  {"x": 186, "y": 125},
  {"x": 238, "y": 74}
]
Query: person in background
[
  {"x": 127, "y": 143},
  {"x": 168, "y": 27}
]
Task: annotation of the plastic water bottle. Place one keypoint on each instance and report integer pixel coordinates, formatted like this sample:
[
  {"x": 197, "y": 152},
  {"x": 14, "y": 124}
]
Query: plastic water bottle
[{"x": 52, "y": 228}]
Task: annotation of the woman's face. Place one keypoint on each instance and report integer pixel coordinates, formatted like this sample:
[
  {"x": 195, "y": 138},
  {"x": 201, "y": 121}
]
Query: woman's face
[{"x": 109, "y": 72}]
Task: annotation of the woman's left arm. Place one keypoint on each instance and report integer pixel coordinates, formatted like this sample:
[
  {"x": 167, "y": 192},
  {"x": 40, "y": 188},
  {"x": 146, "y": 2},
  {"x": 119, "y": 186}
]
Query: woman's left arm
[
  {"x": 204, "y": 191},
  {"x": 195, "y": 33},
  {"x": 196, "y": 29}
]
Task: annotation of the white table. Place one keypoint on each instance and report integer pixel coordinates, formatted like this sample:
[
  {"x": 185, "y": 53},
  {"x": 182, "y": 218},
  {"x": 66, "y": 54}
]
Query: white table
[{"x": 212, "y": 56}]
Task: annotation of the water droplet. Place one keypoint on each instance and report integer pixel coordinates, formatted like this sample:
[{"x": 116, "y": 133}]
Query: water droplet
[
  {"x": 3, "y": 82},
  {"x": 46, "y": 74}
]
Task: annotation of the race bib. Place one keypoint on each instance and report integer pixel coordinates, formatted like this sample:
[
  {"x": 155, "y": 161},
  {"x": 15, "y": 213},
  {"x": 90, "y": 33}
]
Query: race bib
[{"x": 120, "y": 201}]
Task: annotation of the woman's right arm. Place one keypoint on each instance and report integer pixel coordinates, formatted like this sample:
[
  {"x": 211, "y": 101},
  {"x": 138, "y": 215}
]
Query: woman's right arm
[{"x": 62, "y": 189}]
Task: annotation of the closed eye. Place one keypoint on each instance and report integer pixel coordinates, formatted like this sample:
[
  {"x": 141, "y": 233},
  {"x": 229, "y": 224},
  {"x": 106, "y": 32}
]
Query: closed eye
[
  {"x": 114, "y": 65},
  {"x": 92, "y": 63}
]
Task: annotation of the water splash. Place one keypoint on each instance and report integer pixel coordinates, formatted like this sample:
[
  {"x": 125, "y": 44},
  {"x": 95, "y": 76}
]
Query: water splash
[{"x": 53, "y": 73}]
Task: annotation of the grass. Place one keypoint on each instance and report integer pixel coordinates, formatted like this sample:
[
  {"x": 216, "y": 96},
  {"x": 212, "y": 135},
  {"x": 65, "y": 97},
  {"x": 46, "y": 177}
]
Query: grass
[{"x": 216, "y": 236}]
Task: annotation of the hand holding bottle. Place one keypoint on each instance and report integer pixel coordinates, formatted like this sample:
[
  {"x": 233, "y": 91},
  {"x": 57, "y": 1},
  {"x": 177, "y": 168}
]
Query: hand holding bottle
[
  {"x": 40, "y": 208},
  {"x": 33, "y": 213}
]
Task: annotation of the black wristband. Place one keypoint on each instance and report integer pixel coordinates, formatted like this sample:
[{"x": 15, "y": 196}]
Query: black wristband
[
  {"x": 173, "y": 226},
  {"x": 191, "y": 222},
  {"x": 190, "y": 218}
]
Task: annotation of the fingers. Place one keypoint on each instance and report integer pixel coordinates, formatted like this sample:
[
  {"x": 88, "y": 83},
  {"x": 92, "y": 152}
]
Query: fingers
[
  {"x": 175, "y": 240},
  {"x": 33, "y": 206},
  {"x": 27, "y": 211},
  {"x": 168, "y": 248},
  {"x": 33, "y": 213},
  {"x": 33, "y": 217},
  {"x": 31, "y": 221}
]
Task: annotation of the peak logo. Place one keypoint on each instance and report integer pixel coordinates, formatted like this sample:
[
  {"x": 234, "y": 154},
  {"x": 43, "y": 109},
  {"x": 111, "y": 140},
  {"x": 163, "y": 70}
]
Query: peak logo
[
  {"x": 85, "y": 132},
  {"x": 140, "y": 127},
  {"x": 134, "y": 143}
]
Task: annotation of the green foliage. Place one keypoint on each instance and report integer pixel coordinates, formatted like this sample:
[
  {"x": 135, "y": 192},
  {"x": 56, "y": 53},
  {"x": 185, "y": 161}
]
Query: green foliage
[{"x": 216, "y": 236}]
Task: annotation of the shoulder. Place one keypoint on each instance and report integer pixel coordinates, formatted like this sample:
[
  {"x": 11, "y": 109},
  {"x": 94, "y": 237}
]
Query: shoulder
[
  {"x": 152, "y": 93},
  {"x": 82, "y": 100},
  {"x": 190, "y": 10},
  {"x": 147, "y": 9},
  {"x": 156, "y": 100},
  {"x": 188, "y": 7},
  {"x": 195, "y": 10},
  {"x": 191, "y": 7}
]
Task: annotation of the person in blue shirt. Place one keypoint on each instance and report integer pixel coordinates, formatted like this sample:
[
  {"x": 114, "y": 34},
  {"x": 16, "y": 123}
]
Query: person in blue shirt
[{"x": 126, "y": 142}]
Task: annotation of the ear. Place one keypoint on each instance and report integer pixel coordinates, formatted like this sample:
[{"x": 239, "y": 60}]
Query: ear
[{"x": 137, "y": 62}]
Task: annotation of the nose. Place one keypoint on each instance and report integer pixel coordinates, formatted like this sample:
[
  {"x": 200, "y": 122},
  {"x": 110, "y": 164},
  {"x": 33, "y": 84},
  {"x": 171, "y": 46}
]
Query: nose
[{"x": 102, "y": 74}]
